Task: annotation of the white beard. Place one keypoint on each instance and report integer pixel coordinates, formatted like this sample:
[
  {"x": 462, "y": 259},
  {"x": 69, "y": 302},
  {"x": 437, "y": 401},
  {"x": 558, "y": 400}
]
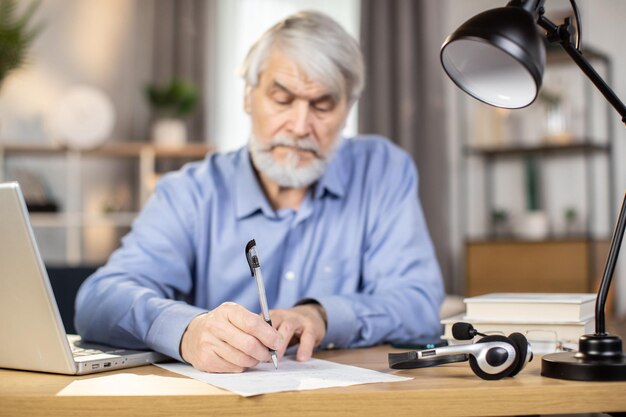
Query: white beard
[{"x": 288, "y": 174}]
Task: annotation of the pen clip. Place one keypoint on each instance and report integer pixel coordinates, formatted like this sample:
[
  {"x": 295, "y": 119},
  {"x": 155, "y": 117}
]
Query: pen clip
[{"x": 253, "y": 260}]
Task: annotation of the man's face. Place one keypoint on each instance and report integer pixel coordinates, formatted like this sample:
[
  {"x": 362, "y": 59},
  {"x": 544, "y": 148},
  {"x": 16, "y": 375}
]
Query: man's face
[{"x": 296, "y": 122}]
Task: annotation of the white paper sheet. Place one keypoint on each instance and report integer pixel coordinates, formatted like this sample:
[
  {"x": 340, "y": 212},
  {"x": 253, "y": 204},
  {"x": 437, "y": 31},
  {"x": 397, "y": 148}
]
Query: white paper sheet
[
  {"x": 136, "y": 385},
  {"x": 290, "y": 376}
]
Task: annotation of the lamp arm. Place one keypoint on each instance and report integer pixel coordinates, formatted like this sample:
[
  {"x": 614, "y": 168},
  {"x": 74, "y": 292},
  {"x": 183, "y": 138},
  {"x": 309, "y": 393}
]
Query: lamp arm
[
  {"x": 562, "y": 35},
  {"x": 607, "y": 276}
]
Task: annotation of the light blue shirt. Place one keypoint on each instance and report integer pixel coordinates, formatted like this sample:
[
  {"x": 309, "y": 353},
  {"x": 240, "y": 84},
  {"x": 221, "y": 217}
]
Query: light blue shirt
[{"x": 358, "y": 245}]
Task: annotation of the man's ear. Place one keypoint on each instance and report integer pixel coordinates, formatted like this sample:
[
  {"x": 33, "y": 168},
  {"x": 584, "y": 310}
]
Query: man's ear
[{"x": 247, "y": 105}]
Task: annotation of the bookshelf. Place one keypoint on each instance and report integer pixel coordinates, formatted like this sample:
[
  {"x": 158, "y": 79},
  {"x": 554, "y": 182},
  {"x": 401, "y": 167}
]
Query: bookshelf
[
  {"x": 498, "y": 146},
  {"x": 76, "y": 233}
]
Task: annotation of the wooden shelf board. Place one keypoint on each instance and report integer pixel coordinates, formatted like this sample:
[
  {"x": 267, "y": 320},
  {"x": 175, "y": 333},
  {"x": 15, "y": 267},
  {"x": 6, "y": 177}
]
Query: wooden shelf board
[
  {"x": 546, "y": 149},
  {"x": 119, "y": 149},
  {"x": 122, "y": 219}
]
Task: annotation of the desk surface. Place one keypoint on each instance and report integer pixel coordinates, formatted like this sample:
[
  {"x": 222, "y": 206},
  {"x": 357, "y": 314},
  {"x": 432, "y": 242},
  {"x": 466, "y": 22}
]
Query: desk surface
[{"x": 450, "y": 390}]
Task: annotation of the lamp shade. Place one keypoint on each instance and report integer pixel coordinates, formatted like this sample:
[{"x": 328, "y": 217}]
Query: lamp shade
[{"x": 497, "y": 57}]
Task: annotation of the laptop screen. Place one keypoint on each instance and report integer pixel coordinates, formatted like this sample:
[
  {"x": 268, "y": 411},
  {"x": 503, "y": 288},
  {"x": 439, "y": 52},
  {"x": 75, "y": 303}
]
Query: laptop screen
[{"x": 31, "y": 329}]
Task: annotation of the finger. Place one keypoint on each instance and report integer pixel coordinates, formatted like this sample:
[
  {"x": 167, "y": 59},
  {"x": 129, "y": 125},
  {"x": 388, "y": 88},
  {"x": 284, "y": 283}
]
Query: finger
[
  {"x": 287, "y": 329},
  {"x": 234, "y": 356},
  {"x": 278, "y": 320},
  {"x": 210, "y": 349},
  {"x": 307, "y": 344},
  {"x": 254, "y": 325},
  {"x": 212, "y": 362},
  {"x": 237, "y": 339},
  {"x": 250, "y": 346}
]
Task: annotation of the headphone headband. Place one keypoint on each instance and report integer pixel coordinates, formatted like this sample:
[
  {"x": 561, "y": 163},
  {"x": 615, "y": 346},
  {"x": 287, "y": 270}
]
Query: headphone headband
[
  {"x": 455, "y": 353},
  {"x": 410, "y": 360}
]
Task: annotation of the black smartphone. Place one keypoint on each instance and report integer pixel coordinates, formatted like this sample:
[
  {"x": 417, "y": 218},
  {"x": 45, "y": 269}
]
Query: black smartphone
[{"x": 421, "y": 344}]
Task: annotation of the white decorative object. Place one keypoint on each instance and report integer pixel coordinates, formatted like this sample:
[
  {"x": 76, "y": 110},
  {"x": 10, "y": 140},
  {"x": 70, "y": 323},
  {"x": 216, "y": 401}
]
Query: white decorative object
[
  {"x": 169, "y": 132},
  {"x": 532, "y": 225},
  {"x": 83, "y": 118}
]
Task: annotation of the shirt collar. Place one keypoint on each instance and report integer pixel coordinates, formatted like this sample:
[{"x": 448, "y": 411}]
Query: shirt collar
[
  {"x": 250, "y": 198},
  {"x": 334, "y": 179}
]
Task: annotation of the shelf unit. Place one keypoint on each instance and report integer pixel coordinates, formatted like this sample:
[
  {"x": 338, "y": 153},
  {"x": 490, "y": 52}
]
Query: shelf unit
[
  {"x": 73, "y": 220},
  {"x": 584, "y": 148},
  {"x": 558, "y": 263}
]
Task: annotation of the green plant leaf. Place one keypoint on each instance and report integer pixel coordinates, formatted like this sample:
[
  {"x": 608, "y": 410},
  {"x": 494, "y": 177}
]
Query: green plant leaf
[
  {"x": 176, "y": 99},
  {"x": 16, "y": 35}
]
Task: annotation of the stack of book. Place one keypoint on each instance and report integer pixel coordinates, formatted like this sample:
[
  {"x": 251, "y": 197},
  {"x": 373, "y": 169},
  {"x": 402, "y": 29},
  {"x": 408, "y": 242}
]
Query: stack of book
[{"x": 549, "y": 321}]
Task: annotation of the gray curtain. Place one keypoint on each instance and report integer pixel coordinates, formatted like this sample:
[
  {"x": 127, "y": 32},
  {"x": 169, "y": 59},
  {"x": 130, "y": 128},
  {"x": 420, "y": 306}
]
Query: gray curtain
[
  {"x": 403, "y": 100},
  {"x": 180, "y": 50}
]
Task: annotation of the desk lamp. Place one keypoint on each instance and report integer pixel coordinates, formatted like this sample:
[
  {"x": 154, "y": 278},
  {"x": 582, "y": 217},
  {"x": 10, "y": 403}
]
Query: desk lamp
[{"x": 498, "y": 57}]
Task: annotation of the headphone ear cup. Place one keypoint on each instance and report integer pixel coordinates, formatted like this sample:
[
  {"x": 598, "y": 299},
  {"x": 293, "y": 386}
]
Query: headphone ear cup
[
  {"x": 476, "y": 366},
  {"x": 521, "y": 350}
]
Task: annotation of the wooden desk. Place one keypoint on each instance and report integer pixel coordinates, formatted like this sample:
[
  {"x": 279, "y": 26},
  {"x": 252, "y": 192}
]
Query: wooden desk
[{"x": 450, "y": 390}]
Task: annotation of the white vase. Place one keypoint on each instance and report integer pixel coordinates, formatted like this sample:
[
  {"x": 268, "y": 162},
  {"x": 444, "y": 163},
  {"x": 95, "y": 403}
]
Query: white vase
[
  {"x": 169, "y": 132},
  {"x": 532, "y": 225}
]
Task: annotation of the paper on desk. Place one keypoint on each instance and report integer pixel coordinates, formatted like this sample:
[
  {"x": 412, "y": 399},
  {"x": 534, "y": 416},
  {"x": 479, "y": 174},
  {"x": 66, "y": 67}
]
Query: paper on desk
[
  {"x": 135, "y": 385},
  {"x": 290, "y": 376}
]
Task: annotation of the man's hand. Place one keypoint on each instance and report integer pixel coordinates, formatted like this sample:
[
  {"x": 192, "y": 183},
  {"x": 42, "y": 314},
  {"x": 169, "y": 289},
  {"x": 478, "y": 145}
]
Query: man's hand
[
  {"x": 228, "y": 339},
  {"x": 304, "y": 324}
]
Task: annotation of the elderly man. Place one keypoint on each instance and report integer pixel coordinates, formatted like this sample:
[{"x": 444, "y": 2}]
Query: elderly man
[{"x": 346, "y": 254}]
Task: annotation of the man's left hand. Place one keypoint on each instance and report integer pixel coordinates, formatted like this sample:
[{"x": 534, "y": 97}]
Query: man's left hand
[{"x": 304, "y": 324}]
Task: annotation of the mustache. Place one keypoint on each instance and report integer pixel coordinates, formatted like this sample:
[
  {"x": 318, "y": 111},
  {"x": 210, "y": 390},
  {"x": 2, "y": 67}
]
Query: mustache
[{"x": 304, "y": 144}]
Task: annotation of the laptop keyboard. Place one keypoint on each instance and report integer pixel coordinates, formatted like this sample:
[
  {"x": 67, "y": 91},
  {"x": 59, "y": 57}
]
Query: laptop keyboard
[{"x": 78, "y": 351}]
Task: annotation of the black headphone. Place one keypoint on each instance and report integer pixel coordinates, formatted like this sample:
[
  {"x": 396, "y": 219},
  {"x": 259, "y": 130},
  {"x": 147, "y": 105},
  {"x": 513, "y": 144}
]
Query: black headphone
[{"x": 492, "y": 357}]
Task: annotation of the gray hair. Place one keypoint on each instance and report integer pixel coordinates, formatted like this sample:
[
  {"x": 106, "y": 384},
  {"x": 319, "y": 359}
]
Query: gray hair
[{"x": 318, "y": 45}]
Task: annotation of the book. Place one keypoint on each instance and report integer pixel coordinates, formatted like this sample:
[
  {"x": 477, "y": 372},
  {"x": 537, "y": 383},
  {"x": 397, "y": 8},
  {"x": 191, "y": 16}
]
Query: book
[
  {"x": 564, "y": 332},
  {"x": 530, "y": 307}
]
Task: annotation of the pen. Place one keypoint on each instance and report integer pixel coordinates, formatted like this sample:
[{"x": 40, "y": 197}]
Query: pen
[{"x": 255, "y": 269}]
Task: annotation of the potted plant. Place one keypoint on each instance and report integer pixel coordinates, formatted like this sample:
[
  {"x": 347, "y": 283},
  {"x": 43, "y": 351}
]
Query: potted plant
[
  {"x": 16, "y": 35},
  {"x": 500, "y": 222},
  {"x": 570, "y": 214},
  {"x": 170, "y": 105}
]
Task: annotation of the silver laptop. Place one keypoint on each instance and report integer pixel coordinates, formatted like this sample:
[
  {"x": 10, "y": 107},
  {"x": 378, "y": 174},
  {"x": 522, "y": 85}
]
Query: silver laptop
[{"x": 32, "y": 336}]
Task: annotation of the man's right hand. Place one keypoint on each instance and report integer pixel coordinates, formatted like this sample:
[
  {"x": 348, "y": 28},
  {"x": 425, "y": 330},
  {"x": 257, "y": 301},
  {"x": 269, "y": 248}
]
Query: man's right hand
[{"x": 228, "y": 339}]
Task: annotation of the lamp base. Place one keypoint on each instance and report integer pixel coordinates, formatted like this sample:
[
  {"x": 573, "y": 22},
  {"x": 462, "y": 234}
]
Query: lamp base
[{"x": 600, "y": 358}]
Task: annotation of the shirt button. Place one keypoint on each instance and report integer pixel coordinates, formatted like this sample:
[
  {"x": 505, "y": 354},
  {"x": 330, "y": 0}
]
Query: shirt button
[
  {"x": 290, "y": 276},
  {"x": 331, "y": 345}
]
